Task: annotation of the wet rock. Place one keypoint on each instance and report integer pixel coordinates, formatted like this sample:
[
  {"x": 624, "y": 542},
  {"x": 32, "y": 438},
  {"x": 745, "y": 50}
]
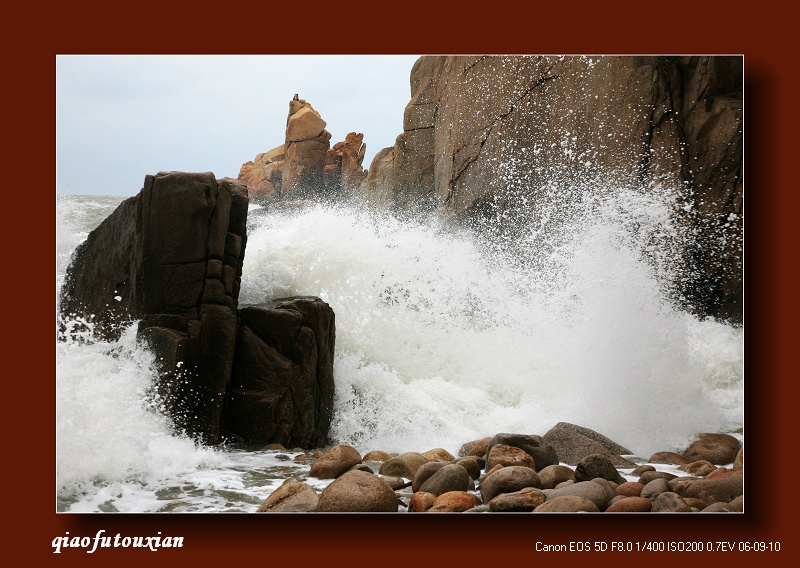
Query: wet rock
[
  {"x": 454, "y": 502},
  {"x": 508, "y": 480},
  {"x": 424, "y": 472},
  {"x": 641, "y": 469},
  {"x": 404, "y": 465},
  {"x": 438, "y": 454},
  {"x": 449, "y": 478},
  {"x": 719, "y": 449},
  {"x": 724, "y": 488},
  {"x": 649, "y": 476},
  {"x": 595, "y": 492},
  {"x": 475, "y": 447},
  {"x": 654, "y": 488},
  {"x": 552, "y": 475},
  {"x": 738, "y": 504},
  {"x": 500, "y": 454},
  {"x": 597, "y": 465},
  {"x": 572, "y": 443},
  {"x": 739, "y": 461},
  {"x": 668, "y": 458},
  {"x": 471, "y": 465},
  {"x": 699, "y": 468},
  {"x": 394, "y": 482},
  {"x": 421, "y": 502},
  {"x": 526, "y": 499},
  {"x": 293, "y": 496},
  {"x": 543, "y": 454},
  {"x": 357, "y": 491},
  {"x": 335, "y": 462},
  {"x": 377, "y": 456}
]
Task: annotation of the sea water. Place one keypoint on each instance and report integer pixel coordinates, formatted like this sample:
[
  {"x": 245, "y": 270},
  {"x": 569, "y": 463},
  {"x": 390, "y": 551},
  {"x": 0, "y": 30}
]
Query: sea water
[{"x": 443, "y": 336}]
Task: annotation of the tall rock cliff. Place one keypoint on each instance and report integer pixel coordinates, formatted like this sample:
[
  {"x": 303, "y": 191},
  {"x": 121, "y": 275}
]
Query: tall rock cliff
[{"x": 484, "y": 134}]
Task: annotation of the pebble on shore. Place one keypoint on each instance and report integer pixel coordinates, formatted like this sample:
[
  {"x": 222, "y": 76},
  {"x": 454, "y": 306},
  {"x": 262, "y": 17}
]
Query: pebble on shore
[{"x": 500, "y": 473}]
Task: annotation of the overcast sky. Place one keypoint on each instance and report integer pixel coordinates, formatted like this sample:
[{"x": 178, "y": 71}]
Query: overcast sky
[{"x": 121, "y": 117}]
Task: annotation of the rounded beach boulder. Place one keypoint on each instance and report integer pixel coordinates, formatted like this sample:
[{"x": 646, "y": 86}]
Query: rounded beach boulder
[
  {"x": 542, "y": 452},
  {"x": 451, "y": 477},
  {"x": 504, "y": 455},
  {"x": 357, "y": 491},
  {"x": 508, "y": 480},
  {"x": 404, "y": 465},
  {"x": 719, "y": 449},
  {"x": 334, "y": 462}
]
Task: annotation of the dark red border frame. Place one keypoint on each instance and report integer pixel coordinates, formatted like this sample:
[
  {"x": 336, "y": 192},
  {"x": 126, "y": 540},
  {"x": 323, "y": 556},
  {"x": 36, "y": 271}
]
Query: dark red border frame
[{"x": 627, "y": 28}]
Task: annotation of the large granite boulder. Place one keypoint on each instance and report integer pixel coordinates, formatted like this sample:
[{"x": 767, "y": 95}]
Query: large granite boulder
[
  {"x": 170, "y": 257},
  {"x": 508, "y": 137}
]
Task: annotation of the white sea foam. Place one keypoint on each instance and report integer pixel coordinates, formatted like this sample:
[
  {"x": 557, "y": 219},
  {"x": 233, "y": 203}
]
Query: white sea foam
[{"x": 441, "y": 338}]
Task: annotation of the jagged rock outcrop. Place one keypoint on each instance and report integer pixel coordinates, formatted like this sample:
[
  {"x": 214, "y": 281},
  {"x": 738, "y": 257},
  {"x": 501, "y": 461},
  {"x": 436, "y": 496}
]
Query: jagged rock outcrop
[
  {"x": 484, "y": 136},
  {"x": 171, "y": 258},
  {"x": 305, "y": 166}
]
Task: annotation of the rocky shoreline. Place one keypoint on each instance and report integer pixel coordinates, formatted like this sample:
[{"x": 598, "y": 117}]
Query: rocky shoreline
[{"x": 569, "y": 469}]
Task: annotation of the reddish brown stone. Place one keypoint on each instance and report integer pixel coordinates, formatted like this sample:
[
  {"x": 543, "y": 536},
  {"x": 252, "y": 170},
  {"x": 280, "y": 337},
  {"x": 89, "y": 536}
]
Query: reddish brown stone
[{"x": 630, "y": 505}]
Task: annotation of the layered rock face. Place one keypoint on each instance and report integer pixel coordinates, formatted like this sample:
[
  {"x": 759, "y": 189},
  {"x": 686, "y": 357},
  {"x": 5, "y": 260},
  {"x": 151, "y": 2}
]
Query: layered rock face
[
  {"x": 485, "y": 135},
  {"x": 171, "y": 257},
  {"x": 305, "y": 166}
]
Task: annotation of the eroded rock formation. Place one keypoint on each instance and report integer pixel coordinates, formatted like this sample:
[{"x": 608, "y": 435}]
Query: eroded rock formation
[
  {"x": 305, "y": 166},
  {"x": 171, "y": 258}
]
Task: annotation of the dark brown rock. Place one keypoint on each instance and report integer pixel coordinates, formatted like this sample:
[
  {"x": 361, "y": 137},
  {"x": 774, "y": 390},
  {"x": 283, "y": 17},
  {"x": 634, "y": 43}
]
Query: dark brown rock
[
  {"x": 282, "y": 383},
  {"x": 170, "y": 257},
  {"x": 597, "y": 465},
  {"x": 424, "y": 472}
]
